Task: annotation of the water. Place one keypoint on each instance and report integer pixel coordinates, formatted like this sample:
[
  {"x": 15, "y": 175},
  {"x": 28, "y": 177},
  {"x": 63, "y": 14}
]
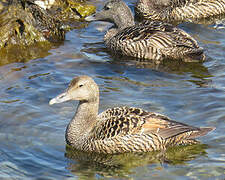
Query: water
[{"x": 32, "y": 141}]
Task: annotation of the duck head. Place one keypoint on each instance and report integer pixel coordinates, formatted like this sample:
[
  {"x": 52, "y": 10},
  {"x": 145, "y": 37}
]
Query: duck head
[
  {"x": 116, "y": 12},
  {"x": 81, "y": 88}
]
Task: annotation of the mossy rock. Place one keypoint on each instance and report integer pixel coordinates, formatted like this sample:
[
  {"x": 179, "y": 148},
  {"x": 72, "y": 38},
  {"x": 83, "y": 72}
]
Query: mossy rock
[
  {"x": 25, "y": 25},
  {"x": 70, "y": 11}
]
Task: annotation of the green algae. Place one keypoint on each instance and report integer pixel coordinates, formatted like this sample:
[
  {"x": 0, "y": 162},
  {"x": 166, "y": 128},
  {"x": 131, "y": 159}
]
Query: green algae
[
  {"x": 29, "y": 31},
  {"x": 70, "y": 11},
  {"x": 83, "y": 9}
]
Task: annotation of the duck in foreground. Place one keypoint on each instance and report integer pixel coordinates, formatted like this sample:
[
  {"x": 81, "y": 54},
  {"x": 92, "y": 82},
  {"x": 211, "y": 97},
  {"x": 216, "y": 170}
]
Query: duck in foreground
[
  {"x": 146, "y": 40},
  {"x": 179, "y": 10},
  {"x": 120, "y": 129}
]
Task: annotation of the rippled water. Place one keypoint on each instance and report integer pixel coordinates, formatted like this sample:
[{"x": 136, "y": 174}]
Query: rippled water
[{"x": 32, "y": 141}]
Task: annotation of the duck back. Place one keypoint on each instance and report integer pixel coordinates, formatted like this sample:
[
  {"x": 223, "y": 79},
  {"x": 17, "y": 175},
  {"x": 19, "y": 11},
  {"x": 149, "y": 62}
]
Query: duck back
[{"x": 175, "y": 11}]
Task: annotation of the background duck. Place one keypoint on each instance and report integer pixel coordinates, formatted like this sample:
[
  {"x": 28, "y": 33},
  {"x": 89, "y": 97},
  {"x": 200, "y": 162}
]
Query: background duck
[
  {"x": 120, "y": 129},
  {"x": 173, "y": 11},
  {"x": 147, "y": 40}
]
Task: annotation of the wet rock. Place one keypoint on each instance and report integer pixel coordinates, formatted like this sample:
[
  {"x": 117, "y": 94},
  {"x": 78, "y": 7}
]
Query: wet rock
[
  {"x": 25, "y": 25},
  {"x": 70, "y": 11}
]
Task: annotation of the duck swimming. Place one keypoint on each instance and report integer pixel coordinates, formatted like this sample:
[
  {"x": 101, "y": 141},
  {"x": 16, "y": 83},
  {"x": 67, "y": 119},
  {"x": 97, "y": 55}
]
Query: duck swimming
[
  {"x": 147, "y": 40},
  {"x": 179, "y": 10},
  {"x": 119, "y": 129}
]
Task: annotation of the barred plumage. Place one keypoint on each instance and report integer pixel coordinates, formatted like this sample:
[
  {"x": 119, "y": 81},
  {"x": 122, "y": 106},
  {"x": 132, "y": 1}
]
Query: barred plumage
[
  {"x": 120, "y": 129},
  {"x": 176, "y": 11},
  {"x": 147, "y": 40}
]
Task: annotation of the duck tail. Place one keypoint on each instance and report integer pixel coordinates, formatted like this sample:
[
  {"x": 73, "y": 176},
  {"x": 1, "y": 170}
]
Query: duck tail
[{"x": 201, "y": 132}]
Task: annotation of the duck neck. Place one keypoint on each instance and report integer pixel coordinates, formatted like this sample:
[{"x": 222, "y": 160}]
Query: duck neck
[
  {"x": 123, "y": 22},
  {"x": 120, "y": 23},
  {"x": 83, "y": 121}
]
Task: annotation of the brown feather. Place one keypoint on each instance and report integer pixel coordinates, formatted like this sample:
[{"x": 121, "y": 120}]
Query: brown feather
[
  {"x": 124, "y": 120},
  {"x": 164, "y": 127}
]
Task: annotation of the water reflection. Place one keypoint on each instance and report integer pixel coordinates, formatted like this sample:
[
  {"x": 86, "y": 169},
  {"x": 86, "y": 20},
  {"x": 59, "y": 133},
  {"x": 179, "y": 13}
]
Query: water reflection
[
  {"x": 24, "y": 53},
  {"x": 170, "y": 66},
  {"x": 195, "y": 69},
  {"x": 96, "y": 48},
  {"x": 210, "y": 21},
  {"x": 90, "y": 165},
  {"x": 32, "y": 143}
]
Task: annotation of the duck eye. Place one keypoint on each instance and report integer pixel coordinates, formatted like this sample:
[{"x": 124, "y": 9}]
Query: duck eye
[
  {"x": 80, "y": 85},
  {"x": 106, "y": 8}
]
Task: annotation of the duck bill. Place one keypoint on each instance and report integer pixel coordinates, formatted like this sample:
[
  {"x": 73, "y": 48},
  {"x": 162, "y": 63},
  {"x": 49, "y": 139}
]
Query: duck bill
[
  {"x": 59, "y": 99},
  {"x": 98, "y": 16},
  {"x": 91, "y": 18}
]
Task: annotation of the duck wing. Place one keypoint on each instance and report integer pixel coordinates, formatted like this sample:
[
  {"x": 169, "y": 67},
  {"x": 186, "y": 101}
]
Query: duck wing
[
  {"x": 119, "y": 121},
  {"x": 144, "y": 30},
  {"x": 171, "y": 35},
  {"x": 123, "y": 121},
  {"x": 156, "y": 40},
  {"x": 167, "y": 128}
]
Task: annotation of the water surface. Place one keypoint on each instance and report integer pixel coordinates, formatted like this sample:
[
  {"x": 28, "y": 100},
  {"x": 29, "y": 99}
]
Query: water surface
[{"x": 32, "y": 141}]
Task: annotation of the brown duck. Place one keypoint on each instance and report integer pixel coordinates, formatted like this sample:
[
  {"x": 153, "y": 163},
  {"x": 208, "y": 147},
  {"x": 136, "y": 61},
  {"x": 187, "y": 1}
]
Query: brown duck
[
  {"x": 146, "y": 40},
  {"x": 173, "y": 11},
  {"x": 120, "y": 129}
]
